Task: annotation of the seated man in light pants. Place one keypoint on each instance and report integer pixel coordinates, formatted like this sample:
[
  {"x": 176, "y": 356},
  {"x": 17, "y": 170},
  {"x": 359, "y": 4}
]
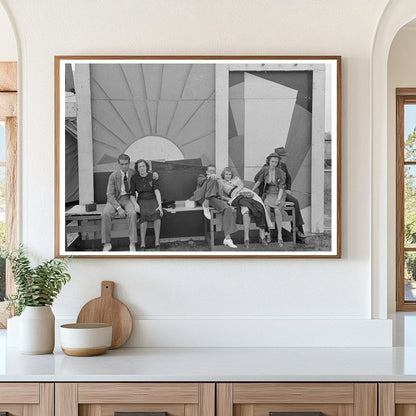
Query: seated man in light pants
[
  {"x": 207, "y": 194},
  {"x": 118, "y": 200}
]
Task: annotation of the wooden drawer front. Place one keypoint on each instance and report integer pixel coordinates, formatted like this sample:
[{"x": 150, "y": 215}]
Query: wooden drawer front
[
  {"x": 138, "y": 393},
  {"x": 104, "y": 399},
  {"x": 332, "y": 399},
  {"x": 293, "y": 393},
  {"x": 19, "y": 393},
  {"x": 405, "y": 393}
]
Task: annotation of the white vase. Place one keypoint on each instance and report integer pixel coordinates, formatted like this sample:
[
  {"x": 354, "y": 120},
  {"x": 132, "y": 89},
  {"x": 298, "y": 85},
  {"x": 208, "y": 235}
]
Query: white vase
[{"x": 37, "y": 330}]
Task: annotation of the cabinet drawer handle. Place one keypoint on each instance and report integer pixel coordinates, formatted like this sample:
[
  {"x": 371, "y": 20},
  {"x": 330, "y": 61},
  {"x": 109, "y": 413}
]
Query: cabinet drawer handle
[
  {"x": 139, "y": 414},
  {"x": 295, "y": 413}
]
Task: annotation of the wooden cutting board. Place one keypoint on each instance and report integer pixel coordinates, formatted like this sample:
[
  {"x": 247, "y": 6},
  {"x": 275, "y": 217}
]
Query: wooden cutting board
[{"x": 109, "y": 310}]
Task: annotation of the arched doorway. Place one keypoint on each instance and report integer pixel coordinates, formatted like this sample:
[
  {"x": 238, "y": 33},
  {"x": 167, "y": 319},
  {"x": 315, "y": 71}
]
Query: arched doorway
[{"x": 396, "y": 15}]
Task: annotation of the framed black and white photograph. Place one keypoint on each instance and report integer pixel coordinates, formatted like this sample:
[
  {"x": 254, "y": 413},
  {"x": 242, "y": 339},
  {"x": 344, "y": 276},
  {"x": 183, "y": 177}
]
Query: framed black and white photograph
[{"x": 198, "y": 156}]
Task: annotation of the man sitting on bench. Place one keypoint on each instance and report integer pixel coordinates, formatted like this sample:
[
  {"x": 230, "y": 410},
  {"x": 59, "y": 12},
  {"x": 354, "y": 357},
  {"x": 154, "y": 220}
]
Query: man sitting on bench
[{"x": 207, "y": 194}]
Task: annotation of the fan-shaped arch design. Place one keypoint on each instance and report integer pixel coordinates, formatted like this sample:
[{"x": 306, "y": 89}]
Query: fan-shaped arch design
[
  {"x": 131, "y": 101},
  {"x": 155, "y": 147}
]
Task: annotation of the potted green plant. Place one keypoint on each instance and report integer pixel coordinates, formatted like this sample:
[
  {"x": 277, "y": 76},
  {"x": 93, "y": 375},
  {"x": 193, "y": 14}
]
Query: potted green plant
[{"x": 36, "y": 289}]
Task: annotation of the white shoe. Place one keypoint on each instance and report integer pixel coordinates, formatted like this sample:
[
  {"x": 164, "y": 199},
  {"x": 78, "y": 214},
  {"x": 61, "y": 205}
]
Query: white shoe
[
  {"x": 132, "y": 247},
  {"x": 205, "y": 207},
  {"x": 228, "y": 242},
  {"x": 107, "y": 247}
]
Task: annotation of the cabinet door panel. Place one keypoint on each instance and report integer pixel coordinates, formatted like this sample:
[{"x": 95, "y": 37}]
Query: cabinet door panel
[
  {"x": 104, "y": 399},
  {"x": 331, "y": 399}
]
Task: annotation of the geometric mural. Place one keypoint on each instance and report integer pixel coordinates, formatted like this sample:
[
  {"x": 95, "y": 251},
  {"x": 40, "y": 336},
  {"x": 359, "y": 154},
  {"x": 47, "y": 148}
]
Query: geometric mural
[
  {"x": 273, "y": 108},
  {"x": 130, "y": 102},
  {"x": 137, "y": 106}
]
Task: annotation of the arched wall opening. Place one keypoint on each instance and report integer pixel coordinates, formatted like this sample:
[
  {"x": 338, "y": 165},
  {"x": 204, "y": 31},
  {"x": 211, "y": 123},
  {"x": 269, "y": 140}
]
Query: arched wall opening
[
  {"x": 396, "y": 15},
  {"x": 401, "y": 74}
]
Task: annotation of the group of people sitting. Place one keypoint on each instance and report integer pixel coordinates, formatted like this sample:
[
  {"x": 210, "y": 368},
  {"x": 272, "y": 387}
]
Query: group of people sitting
[
  {"x": 237, "y": 204},
  {"x": 136, "y": 194}
]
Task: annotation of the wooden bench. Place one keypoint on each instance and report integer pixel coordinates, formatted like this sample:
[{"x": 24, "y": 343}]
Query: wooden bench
[
  {"x": 87, "y": 225},
  {"x": 215, "y": 223}
]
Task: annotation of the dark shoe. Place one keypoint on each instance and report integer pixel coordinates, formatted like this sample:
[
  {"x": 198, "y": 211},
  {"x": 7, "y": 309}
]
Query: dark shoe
[
  {"x": 299, "y": 234},
  {"x": 142, "y": 248},
  {"x": 246, "y": 244}
]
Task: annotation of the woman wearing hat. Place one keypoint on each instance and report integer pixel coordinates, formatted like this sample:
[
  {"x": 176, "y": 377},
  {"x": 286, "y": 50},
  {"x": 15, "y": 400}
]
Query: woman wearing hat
[{"x": 270, "y": 181}]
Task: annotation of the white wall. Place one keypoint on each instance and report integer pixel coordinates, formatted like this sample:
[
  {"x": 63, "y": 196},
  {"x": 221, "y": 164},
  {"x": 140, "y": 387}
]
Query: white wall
[
  {"x": 8, "y": 46},
  {"x": 206, "y": 301},
  {"x": 401, "y": 74}
]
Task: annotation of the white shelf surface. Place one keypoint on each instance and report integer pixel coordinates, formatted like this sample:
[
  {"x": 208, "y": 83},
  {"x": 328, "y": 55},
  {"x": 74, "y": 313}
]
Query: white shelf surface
[
  {"x": 387, "y": 364},
  {"x": 214, "y": 365}
]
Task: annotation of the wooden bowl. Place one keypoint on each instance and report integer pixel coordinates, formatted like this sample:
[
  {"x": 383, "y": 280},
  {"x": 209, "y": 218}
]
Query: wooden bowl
[{"x": 84, "y": 340}]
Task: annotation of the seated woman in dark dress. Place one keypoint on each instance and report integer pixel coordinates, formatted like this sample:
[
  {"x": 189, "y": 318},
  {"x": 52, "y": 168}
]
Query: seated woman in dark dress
[
  {"x": 248, "y": 203},
  {"x": 147, "y": 201}
]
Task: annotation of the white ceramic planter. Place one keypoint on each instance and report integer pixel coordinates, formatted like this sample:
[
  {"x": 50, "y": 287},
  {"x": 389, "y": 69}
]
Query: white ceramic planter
[{"x": 37, "y": 330}]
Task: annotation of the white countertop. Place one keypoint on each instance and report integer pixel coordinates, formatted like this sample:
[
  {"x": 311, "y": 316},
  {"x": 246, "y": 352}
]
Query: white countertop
[
  {"x": 215, "y": 364},
  {"x": 222, "y": 364}
]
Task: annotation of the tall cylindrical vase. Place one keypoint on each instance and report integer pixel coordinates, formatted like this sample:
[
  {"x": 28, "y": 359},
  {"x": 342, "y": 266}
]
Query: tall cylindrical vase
[{"x": 37, "y": 330}]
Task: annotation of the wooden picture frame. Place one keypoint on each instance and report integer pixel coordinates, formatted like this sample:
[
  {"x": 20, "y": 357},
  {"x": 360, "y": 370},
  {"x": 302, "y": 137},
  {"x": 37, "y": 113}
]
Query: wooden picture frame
[{"x": 183, "y": 114}]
